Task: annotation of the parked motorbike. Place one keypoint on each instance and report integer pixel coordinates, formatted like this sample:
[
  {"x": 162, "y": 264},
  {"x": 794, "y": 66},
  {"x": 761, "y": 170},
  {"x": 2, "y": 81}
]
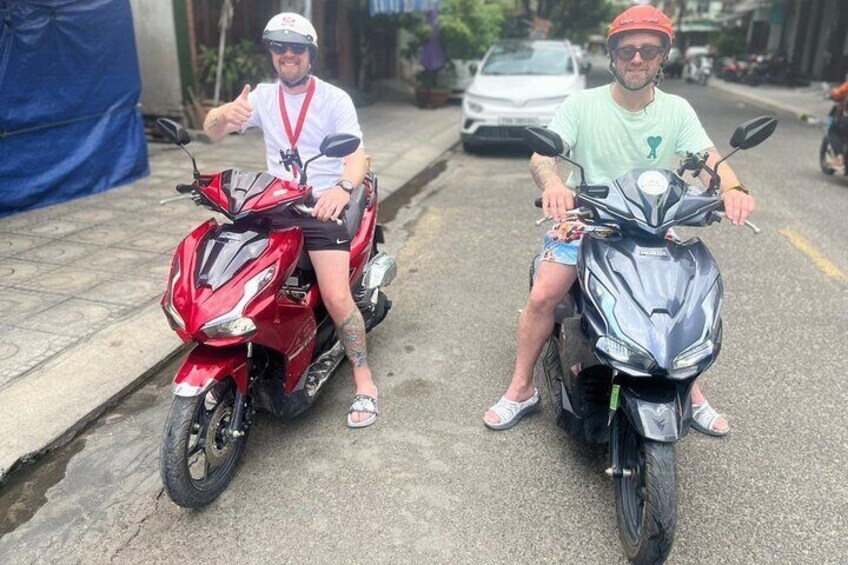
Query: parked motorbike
[
  {"x": 642, "y": 325},
  {"x": 245, "y": 293},
  {"x": 772, "y": 68},
  {"x": 827, "y": 153},
  {"x": 733, "y": 69},
  {"x": 698, "y": 69}
]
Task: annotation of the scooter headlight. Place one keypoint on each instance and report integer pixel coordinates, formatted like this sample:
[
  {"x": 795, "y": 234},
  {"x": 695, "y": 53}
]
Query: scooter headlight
[
  {"x": 615, "y": 347},
  {"x": 624, "y": 353},
  {"x": 233, "y": 328},
  {"x": 233, "y": 323},
  {"x": 174, "y": 318},
  {"x": 693, "y": 355}
]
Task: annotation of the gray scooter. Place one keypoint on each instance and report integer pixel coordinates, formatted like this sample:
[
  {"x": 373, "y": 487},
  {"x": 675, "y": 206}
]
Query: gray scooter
[{"x": 640, "y": 327}]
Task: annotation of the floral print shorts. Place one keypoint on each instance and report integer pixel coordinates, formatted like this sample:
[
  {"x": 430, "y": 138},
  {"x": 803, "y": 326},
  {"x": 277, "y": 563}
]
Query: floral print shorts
[{"x": 562, "y": 242}]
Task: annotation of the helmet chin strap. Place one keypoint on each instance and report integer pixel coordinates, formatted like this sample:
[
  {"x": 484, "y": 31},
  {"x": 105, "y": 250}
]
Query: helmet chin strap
[{"x": 295, "y": 84}]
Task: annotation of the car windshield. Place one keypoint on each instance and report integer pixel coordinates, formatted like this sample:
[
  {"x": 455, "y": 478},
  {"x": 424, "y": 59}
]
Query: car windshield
[{"x": 528, "y": 60}]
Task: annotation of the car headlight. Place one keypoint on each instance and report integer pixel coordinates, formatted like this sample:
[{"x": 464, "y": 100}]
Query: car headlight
[
  {"x": 233, "y": 323},
  {"x": 171, "y": 313},
  {"x": 473, "y": 105}
]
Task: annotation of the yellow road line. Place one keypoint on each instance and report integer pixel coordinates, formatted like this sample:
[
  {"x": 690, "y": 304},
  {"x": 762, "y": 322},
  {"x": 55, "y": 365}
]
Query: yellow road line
[{"x": 819, "y": 260}]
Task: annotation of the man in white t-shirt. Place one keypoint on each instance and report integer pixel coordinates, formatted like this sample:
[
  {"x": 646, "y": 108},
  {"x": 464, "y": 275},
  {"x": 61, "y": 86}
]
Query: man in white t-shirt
[
  {"x": 296, "y": 113},
  {"x": 611, "y": 129}
]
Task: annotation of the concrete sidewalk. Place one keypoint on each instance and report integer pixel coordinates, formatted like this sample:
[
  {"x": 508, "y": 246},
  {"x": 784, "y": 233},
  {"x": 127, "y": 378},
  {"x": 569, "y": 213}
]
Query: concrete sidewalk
[
  {"x": 807, "y": 103},
  {"x": 80, "y": 282}
]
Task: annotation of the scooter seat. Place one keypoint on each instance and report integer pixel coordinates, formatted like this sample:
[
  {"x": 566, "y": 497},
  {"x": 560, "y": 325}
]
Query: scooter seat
[{"x": 355, "y": 210}]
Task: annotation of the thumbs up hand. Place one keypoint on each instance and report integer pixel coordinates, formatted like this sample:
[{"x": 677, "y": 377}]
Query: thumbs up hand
[{"x": 238, "y": 111}]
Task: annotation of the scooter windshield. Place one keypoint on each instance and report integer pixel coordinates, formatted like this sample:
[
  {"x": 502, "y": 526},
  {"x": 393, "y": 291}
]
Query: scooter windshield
[{"x": 653, "y": 200}]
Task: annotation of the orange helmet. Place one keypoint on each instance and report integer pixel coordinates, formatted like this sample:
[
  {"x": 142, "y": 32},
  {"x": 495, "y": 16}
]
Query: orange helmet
[{"x": 642, "y": 18}]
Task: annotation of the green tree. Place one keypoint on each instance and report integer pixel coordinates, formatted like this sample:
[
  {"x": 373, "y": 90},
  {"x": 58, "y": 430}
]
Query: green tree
[
  {"x": 469, "y": 27},
  {"x": 577, "y": 19}
]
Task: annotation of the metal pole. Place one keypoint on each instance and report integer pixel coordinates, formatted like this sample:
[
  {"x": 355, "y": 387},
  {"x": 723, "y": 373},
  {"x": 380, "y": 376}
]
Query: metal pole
[{"x": 223, "y": 24}]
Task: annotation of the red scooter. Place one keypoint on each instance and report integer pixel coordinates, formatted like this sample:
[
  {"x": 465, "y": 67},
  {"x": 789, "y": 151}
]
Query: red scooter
[{"x": 246, "y": 294}]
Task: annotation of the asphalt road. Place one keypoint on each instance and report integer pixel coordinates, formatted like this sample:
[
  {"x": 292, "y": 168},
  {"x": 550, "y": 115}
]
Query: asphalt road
[{"x": 428, "y": 483}]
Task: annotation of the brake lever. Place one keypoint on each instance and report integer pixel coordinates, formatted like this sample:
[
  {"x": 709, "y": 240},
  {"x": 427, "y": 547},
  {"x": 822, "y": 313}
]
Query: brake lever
[
  {"x": 748, "y": 224},
  {"x": 307, "y": 211},
  {"x": 175, "y": 198},
  {"x": 577, "y": 213}
]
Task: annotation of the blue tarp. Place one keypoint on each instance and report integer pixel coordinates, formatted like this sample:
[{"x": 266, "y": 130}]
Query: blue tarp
[
  {"x": 400, "y": 6},
  {"x": 69, "y": 87}
]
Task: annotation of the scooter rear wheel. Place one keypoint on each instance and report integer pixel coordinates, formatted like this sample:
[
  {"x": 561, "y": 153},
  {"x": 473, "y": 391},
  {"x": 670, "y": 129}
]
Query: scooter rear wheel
[
  {"x": 646, "y": 500},
  {"x": 198, "y": 458}
]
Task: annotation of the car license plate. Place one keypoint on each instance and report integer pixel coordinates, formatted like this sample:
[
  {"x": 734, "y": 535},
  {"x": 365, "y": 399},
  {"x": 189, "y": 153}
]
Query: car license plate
[{"x": 518, "y": 121}]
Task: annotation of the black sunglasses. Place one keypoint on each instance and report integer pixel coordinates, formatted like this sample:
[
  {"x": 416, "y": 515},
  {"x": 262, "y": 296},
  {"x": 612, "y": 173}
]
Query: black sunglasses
[
  {"x": 648, "y": 52},
  {"x": 296, "y": 48}
]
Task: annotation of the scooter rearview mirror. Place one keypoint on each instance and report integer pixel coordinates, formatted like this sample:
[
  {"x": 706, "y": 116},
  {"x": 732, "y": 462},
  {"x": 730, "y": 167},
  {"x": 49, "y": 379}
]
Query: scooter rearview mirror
[
  {"x": 544, "y": 142},
  {"x": 753, "y": 132},
  {"x": 339, "y": 145},
  {"x": 173, "y": 131},
  {"x": 178, "y": 135}
]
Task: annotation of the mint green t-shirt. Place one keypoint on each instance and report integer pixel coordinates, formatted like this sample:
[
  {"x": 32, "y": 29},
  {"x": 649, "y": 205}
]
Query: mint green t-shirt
[{"x": 609, "y": 141}]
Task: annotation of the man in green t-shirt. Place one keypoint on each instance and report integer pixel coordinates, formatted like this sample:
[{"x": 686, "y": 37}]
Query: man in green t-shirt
[{"x": 611, "y": 130}]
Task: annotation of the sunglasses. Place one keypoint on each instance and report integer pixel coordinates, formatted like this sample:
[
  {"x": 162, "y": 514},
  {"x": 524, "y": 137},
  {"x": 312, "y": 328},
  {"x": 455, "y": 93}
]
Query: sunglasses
[
  {"x": 648, "y": 52},
  {"x": 296, "y": 48}
]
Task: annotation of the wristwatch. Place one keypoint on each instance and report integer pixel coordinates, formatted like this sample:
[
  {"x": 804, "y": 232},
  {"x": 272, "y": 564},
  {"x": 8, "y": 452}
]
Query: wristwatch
[{"x": 346, "y": 185}]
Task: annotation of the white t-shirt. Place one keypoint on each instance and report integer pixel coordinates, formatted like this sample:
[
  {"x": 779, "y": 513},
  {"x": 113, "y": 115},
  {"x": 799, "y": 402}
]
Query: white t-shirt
[{"x": 330, "y": 111}]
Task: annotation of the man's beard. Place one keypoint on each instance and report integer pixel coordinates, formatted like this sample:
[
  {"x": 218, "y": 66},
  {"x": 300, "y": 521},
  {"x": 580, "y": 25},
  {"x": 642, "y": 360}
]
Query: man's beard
[
  {"x": 630, "y": 84},
  {"x": 300, "y": 79}
]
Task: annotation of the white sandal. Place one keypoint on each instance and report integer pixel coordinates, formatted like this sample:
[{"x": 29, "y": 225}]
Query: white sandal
[
  {"x": 703, "y": 418},
  {"x": 366, "y": 404},
  {"x": 510, "y": 413}
]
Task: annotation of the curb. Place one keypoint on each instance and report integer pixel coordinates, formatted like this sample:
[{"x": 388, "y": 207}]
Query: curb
[
  {"x": 111, "y": 364},
  {"x": 801, "y": 114}
]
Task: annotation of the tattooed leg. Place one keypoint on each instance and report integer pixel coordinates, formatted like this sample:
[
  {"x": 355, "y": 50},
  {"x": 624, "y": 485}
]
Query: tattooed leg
[{"x": 352, "y": 334}]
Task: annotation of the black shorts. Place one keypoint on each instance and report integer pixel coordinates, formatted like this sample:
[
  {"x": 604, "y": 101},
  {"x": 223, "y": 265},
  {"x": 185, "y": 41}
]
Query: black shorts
[{"x": 317, "y": 235}]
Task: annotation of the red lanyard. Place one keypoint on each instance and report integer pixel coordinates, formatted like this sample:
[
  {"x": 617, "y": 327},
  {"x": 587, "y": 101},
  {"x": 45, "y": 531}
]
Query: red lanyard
[{"x": 293, "y": 137}]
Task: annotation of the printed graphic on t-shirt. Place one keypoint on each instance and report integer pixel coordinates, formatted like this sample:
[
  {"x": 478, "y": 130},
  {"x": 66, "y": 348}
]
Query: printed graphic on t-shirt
[{"x": 654, "y": 143}]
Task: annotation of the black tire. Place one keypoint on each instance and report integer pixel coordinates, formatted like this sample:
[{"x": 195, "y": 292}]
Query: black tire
[
  {"x": 190, "y": 419},
  {"x": 646, "y": 502},
  {"x": 826, "y": 156}
]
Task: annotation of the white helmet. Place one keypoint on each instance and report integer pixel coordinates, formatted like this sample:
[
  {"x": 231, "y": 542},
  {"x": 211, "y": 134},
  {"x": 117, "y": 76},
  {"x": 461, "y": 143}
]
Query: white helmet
[{"x": 289, "y": 27}]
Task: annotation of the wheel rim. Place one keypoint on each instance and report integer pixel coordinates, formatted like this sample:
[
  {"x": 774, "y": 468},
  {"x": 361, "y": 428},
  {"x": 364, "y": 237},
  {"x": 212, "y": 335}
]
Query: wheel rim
[
  {"x": 632, "y": 488},
  {"x": 209, "y": 452}
]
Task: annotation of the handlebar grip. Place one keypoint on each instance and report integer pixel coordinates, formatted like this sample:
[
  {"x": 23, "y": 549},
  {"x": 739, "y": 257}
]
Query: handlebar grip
[
  {"x": 185, "y": 188},
  {"x": 538, "y": 202}
]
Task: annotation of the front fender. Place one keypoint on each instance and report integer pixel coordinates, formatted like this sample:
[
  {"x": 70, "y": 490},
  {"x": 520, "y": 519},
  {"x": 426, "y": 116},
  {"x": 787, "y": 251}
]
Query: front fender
[
  {"x": 658, "y": 414},
  {"x": 206, "y": 366}
]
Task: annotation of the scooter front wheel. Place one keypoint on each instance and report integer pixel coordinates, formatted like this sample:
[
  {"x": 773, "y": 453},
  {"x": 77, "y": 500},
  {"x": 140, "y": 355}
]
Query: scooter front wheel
[
  {"x": 826, "y": 156},
  {"x": 199, "y": 458},
  {"x": 646, "y": 499}
]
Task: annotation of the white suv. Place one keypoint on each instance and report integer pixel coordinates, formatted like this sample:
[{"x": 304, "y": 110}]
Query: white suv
[{"x": 519, "y": 83}]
